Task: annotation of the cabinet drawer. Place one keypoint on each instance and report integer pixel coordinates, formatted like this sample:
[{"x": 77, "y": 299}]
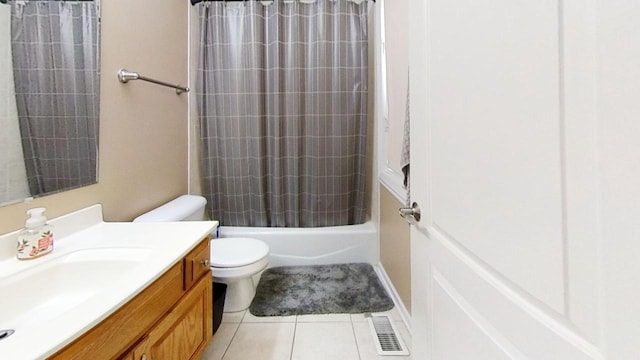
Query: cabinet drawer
[{"x": 196, "y": 263}]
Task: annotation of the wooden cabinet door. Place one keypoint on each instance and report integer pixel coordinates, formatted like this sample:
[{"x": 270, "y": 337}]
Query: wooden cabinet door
[
  {"x": 128, "y": 356},
  {"x": 135, "y": 354},
  {"x": 185, "y": 332}
]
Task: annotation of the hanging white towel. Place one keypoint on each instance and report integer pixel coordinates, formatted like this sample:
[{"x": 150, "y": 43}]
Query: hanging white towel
[{"x": 405, "y": 154}]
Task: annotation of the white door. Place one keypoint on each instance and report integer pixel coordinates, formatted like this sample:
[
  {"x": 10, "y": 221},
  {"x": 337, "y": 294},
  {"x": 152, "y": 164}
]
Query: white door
[{"x": 512, "y": 166}]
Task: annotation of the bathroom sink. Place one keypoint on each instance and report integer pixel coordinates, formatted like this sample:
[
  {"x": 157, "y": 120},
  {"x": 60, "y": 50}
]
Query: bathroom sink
[
  {"x": 95, "y": 268},
  {"x": 57, "y": 285}
]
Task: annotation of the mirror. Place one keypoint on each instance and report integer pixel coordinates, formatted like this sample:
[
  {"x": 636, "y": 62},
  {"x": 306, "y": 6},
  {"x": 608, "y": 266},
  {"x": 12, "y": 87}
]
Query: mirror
[{"x": 49, "y": 96}]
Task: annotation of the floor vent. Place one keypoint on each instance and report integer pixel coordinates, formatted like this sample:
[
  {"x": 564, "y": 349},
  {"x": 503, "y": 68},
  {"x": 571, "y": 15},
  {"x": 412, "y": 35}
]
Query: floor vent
[{"x": 386, "y": 337}]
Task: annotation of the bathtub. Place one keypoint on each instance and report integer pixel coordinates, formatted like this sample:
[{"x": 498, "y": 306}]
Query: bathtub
[{"x": 314, "y": 246}]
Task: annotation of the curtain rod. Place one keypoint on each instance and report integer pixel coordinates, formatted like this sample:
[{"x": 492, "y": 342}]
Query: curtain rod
[{"x": 193, "y": 2}]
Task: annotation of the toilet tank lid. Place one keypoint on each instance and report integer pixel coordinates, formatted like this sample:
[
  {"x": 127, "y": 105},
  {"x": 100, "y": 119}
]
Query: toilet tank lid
[{"x": 175, "y": 210}]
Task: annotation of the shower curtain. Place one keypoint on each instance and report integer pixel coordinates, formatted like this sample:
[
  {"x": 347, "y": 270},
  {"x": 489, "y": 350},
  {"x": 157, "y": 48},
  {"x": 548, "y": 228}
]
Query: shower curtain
[
  {"x": 282, "y": 101},
  {"x": 13, "y": 176},
  {"x": 54, "y": 47}
]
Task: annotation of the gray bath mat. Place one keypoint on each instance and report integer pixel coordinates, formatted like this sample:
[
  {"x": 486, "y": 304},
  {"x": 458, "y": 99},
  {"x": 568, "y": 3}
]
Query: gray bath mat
[{"x": 319, "y": 289}]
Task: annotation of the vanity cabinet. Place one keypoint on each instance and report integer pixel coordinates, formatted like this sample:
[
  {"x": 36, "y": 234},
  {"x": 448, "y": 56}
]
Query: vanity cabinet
[
  {"x": 183, "y": 331},
  {"x": 170, "y": 319}
]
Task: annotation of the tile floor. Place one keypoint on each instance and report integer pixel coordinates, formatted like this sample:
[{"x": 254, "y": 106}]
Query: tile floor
[{"x": 242, "y": 336}]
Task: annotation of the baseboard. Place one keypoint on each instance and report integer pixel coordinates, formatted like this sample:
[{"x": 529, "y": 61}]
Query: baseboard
[{"x": 388, "y": 285}]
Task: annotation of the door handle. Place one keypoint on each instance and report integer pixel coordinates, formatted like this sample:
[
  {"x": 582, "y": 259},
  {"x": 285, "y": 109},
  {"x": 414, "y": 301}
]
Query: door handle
[{"x": 412, "y": 214}]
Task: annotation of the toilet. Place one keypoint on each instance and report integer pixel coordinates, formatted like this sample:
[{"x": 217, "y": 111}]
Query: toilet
[{"x": 236, "y": 262}]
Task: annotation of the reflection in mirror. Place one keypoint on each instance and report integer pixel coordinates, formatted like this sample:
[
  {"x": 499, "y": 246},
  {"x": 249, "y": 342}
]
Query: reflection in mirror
[{"x": 48, "y": 96}]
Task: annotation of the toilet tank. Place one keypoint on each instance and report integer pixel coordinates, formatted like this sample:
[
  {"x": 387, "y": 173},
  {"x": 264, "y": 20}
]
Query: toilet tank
[{"x": 183, "y": 208}]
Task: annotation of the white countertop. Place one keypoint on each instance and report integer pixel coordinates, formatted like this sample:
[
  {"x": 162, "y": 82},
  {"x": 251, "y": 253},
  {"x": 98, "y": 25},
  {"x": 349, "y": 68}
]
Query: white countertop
[{"x": 164, "y": 244}]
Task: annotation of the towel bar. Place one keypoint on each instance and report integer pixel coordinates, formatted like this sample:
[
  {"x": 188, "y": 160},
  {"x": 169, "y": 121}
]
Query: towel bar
[{"x": 124, "y": 76}]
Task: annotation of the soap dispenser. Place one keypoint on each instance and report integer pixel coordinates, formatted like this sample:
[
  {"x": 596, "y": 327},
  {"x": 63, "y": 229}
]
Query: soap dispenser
[{"x": 36, "y": 239}]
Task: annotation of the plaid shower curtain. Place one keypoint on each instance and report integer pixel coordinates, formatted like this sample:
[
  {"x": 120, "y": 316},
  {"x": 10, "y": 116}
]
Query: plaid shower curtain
[
  {"x": 55, "y": 64},
  {"x": 282, "y": 100}
]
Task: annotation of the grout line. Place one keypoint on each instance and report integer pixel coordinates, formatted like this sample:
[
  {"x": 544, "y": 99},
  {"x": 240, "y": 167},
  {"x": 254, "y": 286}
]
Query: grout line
[
  {"x": 230, "y": 341},
  {"x": 234, "y": 334},
  {"x": 293, "y": 341},
  {"x": 355, "y": 339}
]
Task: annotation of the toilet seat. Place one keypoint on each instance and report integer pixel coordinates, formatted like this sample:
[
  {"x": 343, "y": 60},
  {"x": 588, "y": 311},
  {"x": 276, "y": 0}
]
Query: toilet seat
[
  {"x": 237, "y": 257},
  {"x": 234, "y": 252}
]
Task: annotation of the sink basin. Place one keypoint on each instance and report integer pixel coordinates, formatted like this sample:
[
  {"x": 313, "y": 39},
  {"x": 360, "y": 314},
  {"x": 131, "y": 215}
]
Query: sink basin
[
  {"x": 61, "y": 283},
  {"x": 95, "y": 268}
]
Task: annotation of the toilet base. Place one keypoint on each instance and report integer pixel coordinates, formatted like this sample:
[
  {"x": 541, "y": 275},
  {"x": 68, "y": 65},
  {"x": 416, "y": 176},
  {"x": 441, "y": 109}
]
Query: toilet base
[{"x": 240, "y": 292}]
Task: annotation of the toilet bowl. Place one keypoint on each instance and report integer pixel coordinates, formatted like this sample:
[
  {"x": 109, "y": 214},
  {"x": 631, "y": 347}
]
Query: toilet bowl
[{"x": 236, "y": 262}]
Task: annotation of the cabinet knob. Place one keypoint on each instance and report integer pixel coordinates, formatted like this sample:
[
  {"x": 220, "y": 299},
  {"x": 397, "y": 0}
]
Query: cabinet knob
[
  {"x": 206, "y": 263},
  {"x": 143, "y": 357}
]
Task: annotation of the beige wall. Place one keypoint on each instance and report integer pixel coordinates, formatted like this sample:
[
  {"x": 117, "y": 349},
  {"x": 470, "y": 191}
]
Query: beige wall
[
  {"x": 143, "y": 127},
  {"x": 395, "y": 246},
  {"x": 395, "y": 241}
]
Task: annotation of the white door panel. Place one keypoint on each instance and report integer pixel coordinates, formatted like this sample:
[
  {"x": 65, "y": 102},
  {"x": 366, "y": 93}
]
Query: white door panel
[
  {"x": 619, "y": 163},
  {"x": 454, "y": 324},
  {"x": 495, "y": 141},
  {"x": 506, "y": 260},
  {"x": 512, "y": 322}
]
